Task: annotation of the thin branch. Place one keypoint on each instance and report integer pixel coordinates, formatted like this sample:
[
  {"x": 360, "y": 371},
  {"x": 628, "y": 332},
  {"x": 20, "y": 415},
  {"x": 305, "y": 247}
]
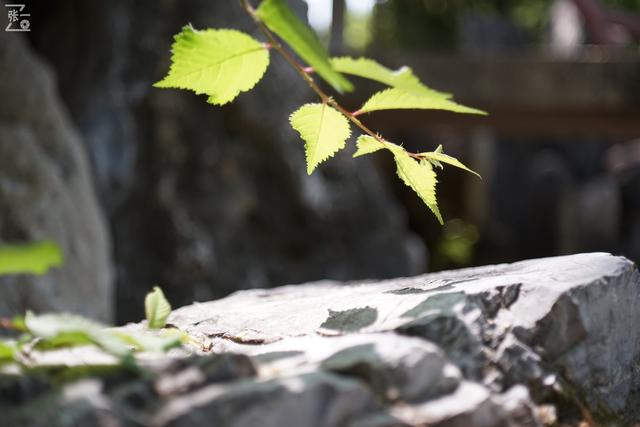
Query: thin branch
[{"x": 305, "y": 73}]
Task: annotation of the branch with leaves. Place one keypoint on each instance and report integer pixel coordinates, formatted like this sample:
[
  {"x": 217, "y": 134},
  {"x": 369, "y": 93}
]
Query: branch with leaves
[{"x": 222, "y": 63}]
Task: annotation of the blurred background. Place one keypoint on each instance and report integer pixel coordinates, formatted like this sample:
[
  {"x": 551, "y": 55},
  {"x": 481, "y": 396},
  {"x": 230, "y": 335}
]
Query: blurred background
[{"x": 142, "y": 186}]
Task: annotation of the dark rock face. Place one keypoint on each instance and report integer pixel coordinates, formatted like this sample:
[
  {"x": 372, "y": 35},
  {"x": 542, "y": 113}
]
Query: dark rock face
[
  {"x": 206, "y": 200},
  {"x": 542, "y": 342},
  {"x": 46, "y": 192}
]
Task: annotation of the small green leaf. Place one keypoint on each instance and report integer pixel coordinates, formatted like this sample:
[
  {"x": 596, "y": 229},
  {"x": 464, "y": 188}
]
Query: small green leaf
[
  {"x": 417, "y": 175},
  {"x": 420, "y": 177},
  {"x": 156, "y": 308},
  {"x": 395, "y": 98},
  {"x": 219, "y": 63},
  {"x": 324, "y": 130},
  {"x": 367, "y": 144},
  {"x": 8, "y": 349},
  {"x": 402, "y": 78},
  {"x": 277, "y": 16},
  {"x": 34, "y": 258},
  {"x": 437, "y": 157}
]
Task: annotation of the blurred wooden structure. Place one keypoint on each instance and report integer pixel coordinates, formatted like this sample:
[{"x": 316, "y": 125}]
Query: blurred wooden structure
[{"x": 529, "y": 94}]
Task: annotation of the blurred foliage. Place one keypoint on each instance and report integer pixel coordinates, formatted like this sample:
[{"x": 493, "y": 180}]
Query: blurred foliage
[
  {"x": 30, "y": 258},
  {"x": 457, "y": 244},
  {"x": 434, "y": 24},
  {"x": 358, "y": 32},
  {"x": 51, "y": 331}
]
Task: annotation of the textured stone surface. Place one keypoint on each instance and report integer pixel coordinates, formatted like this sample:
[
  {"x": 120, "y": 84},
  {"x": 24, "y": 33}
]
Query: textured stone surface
[
  {"x": 551, "y": 340},
  {"x": 46, "y": 193}
]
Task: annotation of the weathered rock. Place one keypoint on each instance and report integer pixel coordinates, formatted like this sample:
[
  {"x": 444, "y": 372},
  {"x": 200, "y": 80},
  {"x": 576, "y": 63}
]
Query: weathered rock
[
  {"x": 549, "y": 340},
  {"x": 559, "y": 325},
  {"x": 46, "y": 193},
  {"x": 313, "y": 399},
  {"x": 472, "y": 405}
]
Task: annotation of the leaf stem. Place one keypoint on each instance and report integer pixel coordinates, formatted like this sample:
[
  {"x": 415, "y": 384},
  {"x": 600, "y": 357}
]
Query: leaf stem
[{"x": 305, "y": 73}]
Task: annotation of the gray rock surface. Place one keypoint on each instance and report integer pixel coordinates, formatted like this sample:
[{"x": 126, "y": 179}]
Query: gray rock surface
[
  {"x": 46, "y": 193},
  {"x": 551, "y": 341}
]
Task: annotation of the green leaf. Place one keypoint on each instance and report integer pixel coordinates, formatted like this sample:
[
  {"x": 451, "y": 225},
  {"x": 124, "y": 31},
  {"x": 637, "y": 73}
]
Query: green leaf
[
  {"x": 402, "y": 78},
  {"x": 420, "y": 177},
  {"x": 69, "y": 330},
  {"x": 277, "y": 16},
  {"x": 156, "y": 308},
  {"x": 34, "y": 258},
  {"x": 323, "y": 129},
  {"x": 436, "y": 157},
  {"x": 367, "y": 144},
  {"x": 8, "y": 348},
  {"x": 219, "y": 63},
  {"x": 395, "y": 98}
]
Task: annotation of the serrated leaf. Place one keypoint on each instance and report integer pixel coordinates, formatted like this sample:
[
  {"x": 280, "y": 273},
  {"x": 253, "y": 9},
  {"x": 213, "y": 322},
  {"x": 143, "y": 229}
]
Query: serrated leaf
[
  {"x": 403, "y": 78},
  {"x": 156, "y": 308},
  {"x": 277, "y": 16},
  {"x": 395, "y": 98},
  {"x": 436, "y": 158},
  {"x": 219, "y": 63},
  {"x": 323, "y": 129},
  {"x": 367, "y": 144},
  {"x": 33, "y": 258},
  {"x": 420, "y": 177},
  {"x": 417, "y": 175}
]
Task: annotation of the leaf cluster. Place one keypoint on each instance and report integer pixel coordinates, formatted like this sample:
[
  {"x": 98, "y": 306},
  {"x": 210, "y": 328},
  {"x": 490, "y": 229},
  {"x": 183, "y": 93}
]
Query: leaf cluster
[{"x": 222, "y": 63}]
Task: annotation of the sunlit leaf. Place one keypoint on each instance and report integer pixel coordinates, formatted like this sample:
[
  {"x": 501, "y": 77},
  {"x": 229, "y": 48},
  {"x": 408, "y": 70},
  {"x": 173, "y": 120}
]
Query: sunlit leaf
[
  {"x": 437, "y": 157},
  {"x": 33, "y": 258},
  {"x": 402, "y": 78},
  {"x": 323, "y": 129},
  {"x": 156, "y": 308},
  {"x": 395, "y": 98},
  {"x": 281, "y": 20},
  {"x": 420, "y": 177},
  {"x": 219, "y": 63},
  {"x": 367, "y": 144}
]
